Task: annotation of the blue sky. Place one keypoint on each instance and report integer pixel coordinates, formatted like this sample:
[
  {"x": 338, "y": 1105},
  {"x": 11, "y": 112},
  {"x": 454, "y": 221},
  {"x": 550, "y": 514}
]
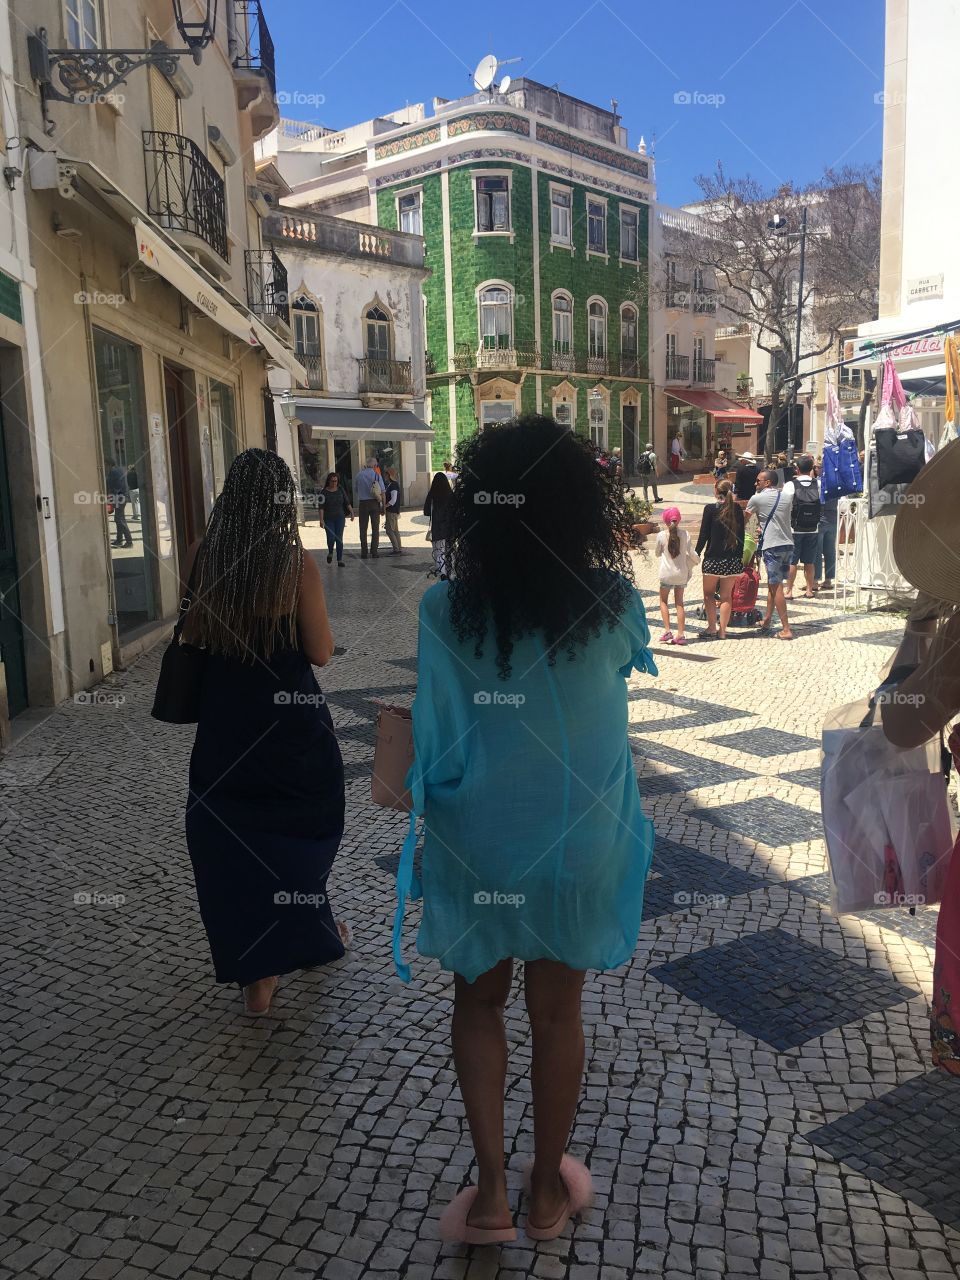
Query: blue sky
[{"x": 785, "y": 87}]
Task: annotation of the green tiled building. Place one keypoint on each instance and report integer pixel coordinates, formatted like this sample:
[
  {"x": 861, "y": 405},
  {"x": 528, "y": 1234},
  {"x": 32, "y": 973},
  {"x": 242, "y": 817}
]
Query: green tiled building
[{"x": 536, "y": 217}]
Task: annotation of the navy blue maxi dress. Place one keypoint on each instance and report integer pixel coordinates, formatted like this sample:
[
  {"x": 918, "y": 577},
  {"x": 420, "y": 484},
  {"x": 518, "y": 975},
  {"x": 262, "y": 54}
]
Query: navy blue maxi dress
[{"x": 265, "y": 816}]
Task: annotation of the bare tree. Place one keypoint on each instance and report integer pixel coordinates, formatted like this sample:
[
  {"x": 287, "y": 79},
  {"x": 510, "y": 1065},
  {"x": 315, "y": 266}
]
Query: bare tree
[{"x": 757, "y": 267}]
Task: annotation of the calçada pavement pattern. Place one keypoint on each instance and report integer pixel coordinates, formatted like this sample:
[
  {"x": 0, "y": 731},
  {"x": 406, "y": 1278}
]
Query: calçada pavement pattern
[{"x": 758, "y": 1098}]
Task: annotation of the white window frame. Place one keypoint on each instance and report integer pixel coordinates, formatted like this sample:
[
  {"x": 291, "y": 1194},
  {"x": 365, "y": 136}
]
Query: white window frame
[
  {"x": 604, "y": 253},
  {"x": 567, "y": 296},
  {"x": 485, "y": 422},
  {"x": 557, "y": 242},
  {"x": 598, "y": 432},
  {"x": 69, "y": 6},
  {"x": 508, "y": 231},
  {"x": 511, "y": 303},
  {"x": 405, "y": 194},
  {"x": 596, "y": 300},
  {"x": 635, "y": 354},
  {"x": 698, "y": 357},
  {"x": 634, "y": 212}
]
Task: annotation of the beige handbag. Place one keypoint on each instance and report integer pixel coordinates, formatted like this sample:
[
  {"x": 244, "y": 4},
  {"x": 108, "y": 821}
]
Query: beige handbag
[{"x": 392, "y": 758}]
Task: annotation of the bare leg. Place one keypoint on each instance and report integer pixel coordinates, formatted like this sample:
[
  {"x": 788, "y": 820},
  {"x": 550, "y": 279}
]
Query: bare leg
[
  {"x": 791, "y": 579},
  {"x": 709, "y": 602},
  {"x": 780, "y": 601},
  {"x": 480, "y": 1057},
  {"x": 808, "y": 576},
  {"x": 681, "y": 611},
  {"x": 553, "y": 1003},
  {"x": 726, "y": 605},
  {"x": 665, "y": 607}
]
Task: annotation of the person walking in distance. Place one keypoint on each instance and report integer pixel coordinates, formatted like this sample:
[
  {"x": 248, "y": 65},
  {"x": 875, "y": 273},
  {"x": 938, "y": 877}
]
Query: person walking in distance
[
  {"x": 805, "y": 521},
  {"x": 118, "y": 493},
  {"x": 369, "y": 505},
  {"x": 677, "y": 559},
  {"x": 745, "y": 480},
  {"x": 335, "y": 510},
  {"x": 773, "y": 507},
  {"x": 438, "y": 506},
  {"x": 676, "y": 454},
  {"x": 265, "y": 807},
  {"x": 391, "y": 518},
  {"x": 536, "y": 847},
  {"x": 647, "y": 469},
  {"x": 721, "y": 541}
]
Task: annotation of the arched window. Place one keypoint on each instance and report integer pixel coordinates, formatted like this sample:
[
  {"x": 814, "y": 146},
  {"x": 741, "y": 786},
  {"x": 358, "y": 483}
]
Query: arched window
[
  {"x": 378, "y": 333},
  {"x": 562, "y": 331},
  {"x": 496, "y": 317},
  {"x": 597, "y": 336},
  {"x": 306, "y": 337},
  {"x": 628, "y": 340}
]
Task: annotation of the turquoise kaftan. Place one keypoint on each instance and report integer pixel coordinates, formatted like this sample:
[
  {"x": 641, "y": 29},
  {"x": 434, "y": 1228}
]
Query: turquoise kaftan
[{"x": 535, "y": 843}]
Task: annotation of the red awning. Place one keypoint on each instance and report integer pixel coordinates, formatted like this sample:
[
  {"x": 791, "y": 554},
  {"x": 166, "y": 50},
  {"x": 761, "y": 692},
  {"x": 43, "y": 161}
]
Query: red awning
[{"x": 724, "y": 410}]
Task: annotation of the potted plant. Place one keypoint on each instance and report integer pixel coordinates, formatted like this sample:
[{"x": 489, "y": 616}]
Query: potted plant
[{"x": 639, "y": 512}]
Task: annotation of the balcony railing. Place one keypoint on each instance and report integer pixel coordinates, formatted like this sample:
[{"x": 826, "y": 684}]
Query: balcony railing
[
  {"x": 267, "y": 289},
  {"x": 184, "y": 191},
  {"x": 704, "y": 372},
  {"x": 629, "y": 365},
  {"x": 849, "y": 392},
  {"x": 327, "y": 234},
  {"x": 598, "y": 364},
  {"x": 314, "y": 367},
  {"x": 514, "y": 357},
  {"x": 678, "y": 368},
  {"x": 678, "y": 295},
  {"x": 385, "y": 377},
  {"x": 254, "y": 47},
  {"x": 705, "y": 302}
]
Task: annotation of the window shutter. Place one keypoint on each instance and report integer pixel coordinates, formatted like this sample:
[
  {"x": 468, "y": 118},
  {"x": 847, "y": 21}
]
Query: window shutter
[{"x": 164, "y": 103}]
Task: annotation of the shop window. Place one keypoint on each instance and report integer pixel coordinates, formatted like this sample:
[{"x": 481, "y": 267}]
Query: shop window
[
  {"x": 493, "y": 204},
  {"x": 223, "y": 421},
  {"x": 127, "y": 481}
]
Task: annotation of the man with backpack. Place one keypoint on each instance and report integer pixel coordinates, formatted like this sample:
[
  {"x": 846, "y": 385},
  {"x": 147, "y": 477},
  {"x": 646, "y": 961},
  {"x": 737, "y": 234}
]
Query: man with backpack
[
  {"x": 647, "y": 470},
  {"x": 773, "y": 507},
  {"x": 805, "y": 516}
]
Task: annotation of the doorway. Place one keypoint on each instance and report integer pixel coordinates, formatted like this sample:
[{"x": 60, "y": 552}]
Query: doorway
[
  {"x": 185, "y": 460},
  {"x": 343, "y": 464},
  {"x": 11, "y": 628}
]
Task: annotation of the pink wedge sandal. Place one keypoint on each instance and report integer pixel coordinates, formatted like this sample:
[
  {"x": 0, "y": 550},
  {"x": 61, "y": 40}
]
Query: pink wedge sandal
[
  {"x": 580, "y": 1195},
  {"x": 455, "y": 1228}
]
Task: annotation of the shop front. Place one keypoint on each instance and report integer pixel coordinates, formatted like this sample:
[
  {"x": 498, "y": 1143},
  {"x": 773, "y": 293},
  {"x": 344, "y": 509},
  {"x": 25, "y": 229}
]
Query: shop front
[{"x": 706, "y": 422}]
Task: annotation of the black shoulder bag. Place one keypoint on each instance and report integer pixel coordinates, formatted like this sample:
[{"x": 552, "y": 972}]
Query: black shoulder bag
[{"x": 177, "y": 700}]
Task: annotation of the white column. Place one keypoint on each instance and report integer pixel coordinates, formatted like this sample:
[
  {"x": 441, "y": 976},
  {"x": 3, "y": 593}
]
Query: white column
[{"x": 448, "y": 296}]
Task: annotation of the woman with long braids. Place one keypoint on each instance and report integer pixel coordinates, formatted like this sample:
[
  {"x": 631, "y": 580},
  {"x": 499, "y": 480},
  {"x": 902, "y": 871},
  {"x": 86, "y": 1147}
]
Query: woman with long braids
[
  {"x": 535, "y": 845},
  {"x": 266, "y": 800},
  {"x": 721, "y": 533}
]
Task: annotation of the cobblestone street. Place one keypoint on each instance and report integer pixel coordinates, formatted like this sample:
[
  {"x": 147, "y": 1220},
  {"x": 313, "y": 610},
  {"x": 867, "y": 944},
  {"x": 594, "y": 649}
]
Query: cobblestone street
[{"x": 759, "y": 1099}]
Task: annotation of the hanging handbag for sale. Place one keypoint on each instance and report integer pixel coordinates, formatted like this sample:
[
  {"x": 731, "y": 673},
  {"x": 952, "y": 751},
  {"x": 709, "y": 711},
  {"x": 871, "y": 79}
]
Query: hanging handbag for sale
[
  {"x": 900, "y": 455},
  {"x": 392, "y": 758},
  {"x": 180, "y": 683}
]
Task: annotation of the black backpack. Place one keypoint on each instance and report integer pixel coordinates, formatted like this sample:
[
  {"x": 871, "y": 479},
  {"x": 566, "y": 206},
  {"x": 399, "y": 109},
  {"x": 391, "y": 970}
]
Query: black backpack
[
  {"x": 646, "y": 465},
  {"x": 805, "y": 514}
]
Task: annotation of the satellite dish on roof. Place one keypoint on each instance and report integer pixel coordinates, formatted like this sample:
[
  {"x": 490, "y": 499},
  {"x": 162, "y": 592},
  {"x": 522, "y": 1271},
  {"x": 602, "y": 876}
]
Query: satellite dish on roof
[
  {"x": 485, "y": 73},
  {"x": 505, "y": 84}
]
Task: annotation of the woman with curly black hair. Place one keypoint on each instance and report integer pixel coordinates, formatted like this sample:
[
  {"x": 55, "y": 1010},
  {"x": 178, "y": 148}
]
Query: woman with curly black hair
[{"x": 535, "y": 844}]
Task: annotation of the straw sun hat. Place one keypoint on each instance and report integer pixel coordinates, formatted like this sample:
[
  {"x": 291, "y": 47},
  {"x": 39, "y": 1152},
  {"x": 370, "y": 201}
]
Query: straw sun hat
[{"x": 926, "y": 534}]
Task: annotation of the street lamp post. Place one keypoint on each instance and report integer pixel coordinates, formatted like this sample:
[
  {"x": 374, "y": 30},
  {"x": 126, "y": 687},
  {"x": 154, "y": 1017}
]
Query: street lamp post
[{"x": 779, "y": 223}]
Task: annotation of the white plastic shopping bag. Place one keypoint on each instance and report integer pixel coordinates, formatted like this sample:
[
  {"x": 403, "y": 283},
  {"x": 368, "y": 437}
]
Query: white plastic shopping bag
[{"x": 887, "y": 822}]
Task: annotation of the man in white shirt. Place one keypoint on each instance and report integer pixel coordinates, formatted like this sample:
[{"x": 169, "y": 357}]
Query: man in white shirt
[
  {"x": 369, "y": 494},
  {"x": 647, "y": 467},
  {"x": 773, "y": 508}
]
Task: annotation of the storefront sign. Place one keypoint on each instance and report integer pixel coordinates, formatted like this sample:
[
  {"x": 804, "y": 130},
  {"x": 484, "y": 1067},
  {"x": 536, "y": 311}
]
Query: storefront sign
[
  {"x": 868, "y": 351},
  {"x": 923, "y": 287}
]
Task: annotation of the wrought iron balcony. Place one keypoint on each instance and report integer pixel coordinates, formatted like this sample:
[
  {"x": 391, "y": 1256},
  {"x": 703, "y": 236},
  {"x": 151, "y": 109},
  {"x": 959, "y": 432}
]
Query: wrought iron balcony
[
  {"x": 704, "y": 373},
  {"x": 254, "y": 45},
  {"x": 267, "y": 289},
  {"x": 850, "y": 392},
  {"x": 705, "y": 302},
  {"x": 184, "y": 191},
  {"x": 678, "y": 368},
  {"x": 513, "y": 357},
  {"x": 562, "y": 360},
  {"x": 385, "y": 377},
  {"x": 678, "y": 295},
  {"x": 598, "y": 364},
  {"x": 629, "y": 366},
  {"x": 313, "y": 364}
]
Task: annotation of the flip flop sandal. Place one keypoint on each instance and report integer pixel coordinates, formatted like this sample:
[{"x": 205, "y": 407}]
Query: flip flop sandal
[
  {"x": 455, "y": 1228},
  {"x": 259, "y": 1013},
  {"x": 667, "y": 638}
]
